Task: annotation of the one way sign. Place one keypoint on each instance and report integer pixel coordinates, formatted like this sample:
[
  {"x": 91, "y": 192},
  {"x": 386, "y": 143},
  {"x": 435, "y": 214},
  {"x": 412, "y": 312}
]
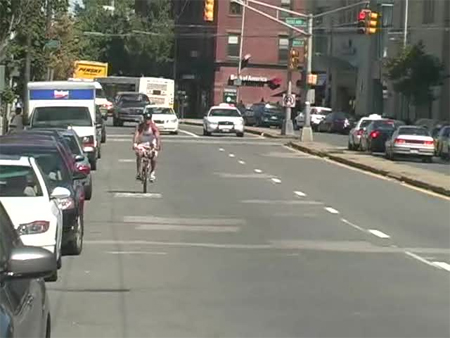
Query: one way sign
[{"x": 289, "y": 100}]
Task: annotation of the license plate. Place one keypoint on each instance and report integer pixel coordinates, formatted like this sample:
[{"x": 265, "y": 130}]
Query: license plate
[{"x": 414, "y": 151}]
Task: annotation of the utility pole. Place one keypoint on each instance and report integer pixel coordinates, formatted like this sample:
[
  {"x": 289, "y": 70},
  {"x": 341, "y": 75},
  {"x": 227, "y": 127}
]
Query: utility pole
[
  {"x": 307, "y": 135},
  {"x": 241, "y": 51},
  {"x": 27, "y": 76},
  {"x": 288, "y": 127},
  {"x": 405, "y": 25}
]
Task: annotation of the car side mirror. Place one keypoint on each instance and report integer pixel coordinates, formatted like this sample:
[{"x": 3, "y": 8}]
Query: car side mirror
[
  {"x": 30, "y": 262},
  {"x": 78, "y": 175},
  {"x": 79, "y": 158},
  {"x": 60, "y": 193}
]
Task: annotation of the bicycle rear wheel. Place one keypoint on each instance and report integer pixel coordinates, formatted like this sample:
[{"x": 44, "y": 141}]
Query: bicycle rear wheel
[{"x": 145, "y": 178}]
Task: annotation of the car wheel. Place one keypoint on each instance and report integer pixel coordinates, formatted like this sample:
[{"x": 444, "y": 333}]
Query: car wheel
[
  {"x": 427, "y": 159},
  {"x": 53, "y": 277},
  {"x": 99, "y": 152},
  {"x": 48, "y": 327},
  {"x": 240, "y": 134},
  {"x": 174, "y": 132},
  {"x": 88, "y": 191},
  {"x": 93, "y": 164},
  {"x": 59, "y": 261},
  {"x": 75, "y": 246},
  {"x": 103, "y": 140},
  {"x": 206, "y": 133},
  {"x": 350, "y": 146}
]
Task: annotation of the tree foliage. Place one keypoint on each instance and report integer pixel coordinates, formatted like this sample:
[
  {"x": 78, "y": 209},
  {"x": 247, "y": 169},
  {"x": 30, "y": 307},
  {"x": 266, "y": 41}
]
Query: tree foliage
[{"x": 415, "y": 73}]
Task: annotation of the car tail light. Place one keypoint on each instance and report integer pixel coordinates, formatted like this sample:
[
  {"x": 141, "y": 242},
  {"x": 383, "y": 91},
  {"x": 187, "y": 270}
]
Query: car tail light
[
  {"x": 84, "y": 168},
  {"x": 66, "y": 203},
  {"x": 108, "y": 105},
  {"x": 399, "y": 141},
  {"x": 88, "y": 142},
  {"x": 36, "y": 227},
  {"x": 428, "y": 143},
  {"x": 375, "y": 134}
]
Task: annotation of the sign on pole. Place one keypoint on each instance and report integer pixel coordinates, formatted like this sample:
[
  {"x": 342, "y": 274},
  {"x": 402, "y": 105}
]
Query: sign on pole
[
  {"x": 296, "y": 22},
  {"x": 289, "y": 100}
]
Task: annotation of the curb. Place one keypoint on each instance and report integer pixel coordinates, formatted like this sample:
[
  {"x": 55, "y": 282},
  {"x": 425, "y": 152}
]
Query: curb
[{"x": 401, "y": 178}]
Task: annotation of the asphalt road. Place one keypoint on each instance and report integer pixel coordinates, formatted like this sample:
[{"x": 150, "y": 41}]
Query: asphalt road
[
  {"x": 340, "y": 140},
  {"x": 247, "y": 238}
]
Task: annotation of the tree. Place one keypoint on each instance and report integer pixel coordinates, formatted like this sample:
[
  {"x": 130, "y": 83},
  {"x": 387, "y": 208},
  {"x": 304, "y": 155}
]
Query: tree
[{"x": 415, "y": 74}]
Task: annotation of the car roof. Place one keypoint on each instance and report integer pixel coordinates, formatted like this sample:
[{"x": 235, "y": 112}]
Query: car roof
[
  {"x": 15, "y": 160},
  {"x": 122, "y": 93},
  {"x": 224, "y": 107},
  {"x": 158, "y": 106}
]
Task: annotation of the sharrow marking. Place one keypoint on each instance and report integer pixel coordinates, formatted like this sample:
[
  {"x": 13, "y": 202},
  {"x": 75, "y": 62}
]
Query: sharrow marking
[
  {"x": 276, "y": 180},
  {"x": 258, "y": 171},
  {"x": 331, "y": 210},
  {"x": 299, "y": 193},
  {"x": 188, "y": 133},
  {"x": 442, "y": 265},
  {"x": 231, "y": 155},
  {"x": 379, "y": 233},
  {"x": 241, "y": 162}
]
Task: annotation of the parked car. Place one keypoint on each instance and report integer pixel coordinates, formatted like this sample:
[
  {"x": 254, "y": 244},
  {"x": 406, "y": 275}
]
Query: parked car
[
  {"x": 24, "y": 304},
  {"x": 411, "y": 141},
  {"x": 354, "y": 137},
  {"x": 223, "y": 119},
  {"x": 22, "y": 184},
  {"x": 164, "y": 117},
  {"x": 101, "y": 116},
  {"x": 268, "y": 115},
  {"x": 377, "y": 132},
  {"x": 445, "y": 152},
  {"x": 441, "y": 139},
  {"x": 129, "y": 107},
  {"x": 317, "y": 116},
  {"x": 82, "y": 161},
  {"x": 336, "y": 122},
  {"x": 249, "y": 117},
  {"x": 58, "y": 172}
]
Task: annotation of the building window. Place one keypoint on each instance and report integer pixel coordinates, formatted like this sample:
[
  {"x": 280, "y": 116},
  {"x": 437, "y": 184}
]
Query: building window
[
  {"x": 285, "y": 4},
  {"x": 233, "y": 45},
  {"x": 235, "y": 8},
  {"x": 283, "y": 50},
  {"x": 428, "y": 11}
]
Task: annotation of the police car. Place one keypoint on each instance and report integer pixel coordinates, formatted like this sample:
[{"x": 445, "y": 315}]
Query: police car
[{"x": 223, "y": 118}]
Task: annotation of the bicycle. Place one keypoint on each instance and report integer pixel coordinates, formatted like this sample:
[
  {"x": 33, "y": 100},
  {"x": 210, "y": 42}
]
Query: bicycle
[{"x": 148, "y": 153}]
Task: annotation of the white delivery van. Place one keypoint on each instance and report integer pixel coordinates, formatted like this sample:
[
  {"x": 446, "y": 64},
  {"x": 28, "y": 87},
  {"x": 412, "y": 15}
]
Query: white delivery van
[{"x": 67, "y": 104}]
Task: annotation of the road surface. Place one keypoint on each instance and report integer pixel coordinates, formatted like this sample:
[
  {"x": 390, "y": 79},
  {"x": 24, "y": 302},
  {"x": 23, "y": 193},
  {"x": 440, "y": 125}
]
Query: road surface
[{"x": 242, "y": 237}]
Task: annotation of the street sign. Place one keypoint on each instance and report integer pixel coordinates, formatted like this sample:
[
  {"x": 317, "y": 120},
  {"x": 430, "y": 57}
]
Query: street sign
[
  {"x": 229, "y": 95},
  {"x": 237, "y": 82},
  {"x": 298, "y": 43},
  {"x": 311, "y": 96},
  {"x": 296, "y": 22},
  {"x": 289, "y": 100}
]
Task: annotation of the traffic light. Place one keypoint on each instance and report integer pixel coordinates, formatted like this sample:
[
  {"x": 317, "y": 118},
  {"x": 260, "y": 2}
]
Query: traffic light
[
  {"x": 367, "y": 22},
  {"x": 294, "y": 59},
  {"x": 274, "y": 83},
  {"x": 208, "y": 13}
]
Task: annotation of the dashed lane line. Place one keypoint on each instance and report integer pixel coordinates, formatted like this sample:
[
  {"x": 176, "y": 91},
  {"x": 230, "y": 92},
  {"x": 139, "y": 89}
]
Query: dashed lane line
[
  {"x": 331, "y": 210},
  {"x": 137, "y": 195},
  {"x": 258, "y": 171},
  {"x": 241, "y": 162},
  {"x": 378, "y": 233},
  {"x": 276, "y": 180},
  {"x": 442, "y": 265},
  {"x": 299, "y": 194},
  {"x": 231, "y": 155},
  {"x": 221, "y": 149}
]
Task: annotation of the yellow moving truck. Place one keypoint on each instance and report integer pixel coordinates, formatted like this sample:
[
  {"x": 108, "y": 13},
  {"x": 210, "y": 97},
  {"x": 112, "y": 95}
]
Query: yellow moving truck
[{"x": 89, "y": 69}]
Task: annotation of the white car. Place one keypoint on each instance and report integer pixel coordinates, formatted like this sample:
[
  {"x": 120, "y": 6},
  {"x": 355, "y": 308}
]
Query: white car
[
  {"x": 223, "y": 118},
  {"x": 354, "y": 137},
  {"x": 411, "y": 141},
  {"x": 33, "y": 209},
  {"x": 317, "y": 116},
  {"x": 164, "y": 117}
]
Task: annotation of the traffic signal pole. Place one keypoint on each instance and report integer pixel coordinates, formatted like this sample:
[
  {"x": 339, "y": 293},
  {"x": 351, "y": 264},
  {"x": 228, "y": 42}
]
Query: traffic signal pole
[
  {"x": 241, "y": 50},
  {"x": 307, "y": 134}
]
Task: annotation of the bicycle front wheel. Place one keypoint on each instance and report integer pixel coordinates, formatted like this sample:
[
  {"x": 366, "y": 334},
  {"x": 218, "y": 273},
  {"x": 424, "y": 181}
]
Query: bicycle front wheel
[{"x": 145, "y": 179}]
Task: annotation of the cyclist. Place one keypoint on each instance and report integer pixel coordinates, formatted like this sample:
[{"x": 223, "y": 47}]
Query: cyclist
[{"x": 147, "y": 132}]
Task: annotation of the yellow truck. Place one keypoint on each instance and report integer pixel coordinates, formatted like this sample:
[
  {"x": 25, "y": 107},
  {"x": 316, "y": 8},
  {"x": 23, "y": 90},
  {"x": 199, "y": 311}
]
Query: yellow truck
[{"x": 89, "y": 69}]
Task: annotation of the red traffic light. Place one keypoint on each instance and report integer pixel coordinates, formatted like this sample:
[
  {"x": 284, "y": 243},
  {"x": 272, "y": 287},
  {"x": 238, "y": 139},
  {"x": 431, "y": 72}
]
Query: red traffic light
[{"x": 362, "y": 15}]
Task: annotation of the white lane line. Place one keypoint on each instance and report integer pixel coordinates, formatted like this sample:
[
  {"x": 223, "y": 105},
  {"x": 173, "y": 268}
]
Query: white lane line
[
  {"x": 190, "y": 228},
  {"x": 136, "y": 252},
  {"x": 183, "y": 220},
  {"x": 379, "y": 233},
  {"x": 423, "y": 260},
  {"x": 276, "y": 180},
  {"x": 299, "y": 193},
  {"x": 188, "y": 133},
  {"x": 231, "y": 155},
  {"x": 353, "y": 225},
  {"x": 282, "y": 202},
  {"x": 331, "y": 210},
  {"x": 127, "y": 160},
  {"x": 258, "y": 171},
  {"x": 137, "y": 195},
  {"x": 442, "y": 265},
  {"x": 241, "y": 162},
  {"x": 221, "y": 149}
]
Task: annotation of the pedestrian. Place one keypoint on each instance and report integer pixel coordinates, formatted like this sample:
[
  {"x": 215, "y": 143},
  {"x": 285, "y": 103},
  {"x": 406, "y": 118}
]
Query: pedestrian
[
  {"x": 16, "y": 123},
  {"x": 241, "y": 106}
]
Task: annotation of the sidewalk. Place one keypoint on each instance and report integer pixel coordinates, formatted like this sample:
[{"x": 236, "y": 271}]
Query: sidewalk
[{"x": 433, "y": 181}]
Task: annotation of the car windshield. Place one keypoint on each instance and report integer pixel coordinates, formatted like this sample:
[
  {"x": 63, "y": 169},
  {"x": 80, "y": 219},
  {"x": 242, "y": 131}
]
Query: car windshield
[
  {"x": 365, "y": 123},
  {"x": 100, "y": 94},
  {"x": 273, "y": 110},
  {"x": 413, "y": 131},
  {"x": 134, "y": 98},
  {"x": 18, "y": 181},
  {"x": 385, "y": 124},
  {"x": 62, "y": 117},
  {"x": 73, "y": 144},
  {"x": 340, "y": 115},
  {"x": 160, "y": 110},
  {"x": 225, "y": 112}
]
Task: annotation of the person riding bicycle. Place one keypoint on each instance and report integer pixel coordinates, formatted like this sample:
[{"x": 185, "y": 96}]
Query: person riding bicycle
[{"x": 146, "y": 132}]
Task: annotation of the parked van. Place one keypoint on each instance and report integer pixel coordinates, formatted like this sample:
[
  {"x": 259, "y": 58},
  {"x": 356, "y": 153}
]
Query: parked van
[{"x": 67, "y": 104}]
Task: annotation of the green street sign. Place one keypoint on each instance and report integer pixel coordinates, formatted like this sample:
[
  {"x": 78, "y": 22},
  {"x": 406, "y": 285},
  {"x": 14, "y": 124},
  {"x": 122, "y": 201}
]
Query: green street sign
[
  {"x": 298, "y": 43},
  {"x": 296, "y": 22}
]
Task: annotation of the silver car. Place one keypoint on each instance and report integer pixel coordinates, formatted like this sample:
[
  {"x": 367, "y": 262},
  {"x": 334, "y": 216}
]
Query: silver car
[
  {"x": 24, "y": 305},
  {"x": 354, "y": 137},
  {"x": 411, "y": 141}
]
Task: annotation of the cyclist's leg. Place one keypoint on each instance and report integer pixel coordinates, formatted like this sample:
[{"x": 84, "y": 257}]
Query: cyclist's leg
[
  {"x": 153, "y": 165},
  {"x": 138, "y": 164}
]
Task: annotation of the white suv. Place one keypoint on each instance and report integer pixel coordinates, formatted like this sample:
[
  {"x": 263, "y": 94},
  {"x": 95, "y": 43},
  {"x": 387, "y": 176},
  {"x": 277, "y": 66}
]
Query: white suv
[
  {"x": 32, "y": 207},
  {"x": 317, "y": 115}
]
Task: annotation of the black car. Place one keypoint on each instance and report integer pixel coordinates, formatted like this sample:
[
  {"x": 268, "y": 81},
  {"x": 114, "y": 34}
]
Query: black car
[
  {"x": 24, "y": 304},
  {"x": 268, "y": 115},
  {"x": 336, "y": 122},
  {"x": 59, "y": 172},
  {"x": 249, "y": 117},
  {"x": 129, "y": 107},
  {"x": 377, "y": 132}
]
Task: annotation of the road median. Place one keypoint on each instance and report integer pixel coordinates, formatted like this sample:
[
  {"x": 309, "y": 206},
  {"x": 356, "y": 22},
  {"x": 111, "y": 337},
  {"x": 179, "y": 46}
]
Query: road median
[{"x": 433, "y": 181}]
